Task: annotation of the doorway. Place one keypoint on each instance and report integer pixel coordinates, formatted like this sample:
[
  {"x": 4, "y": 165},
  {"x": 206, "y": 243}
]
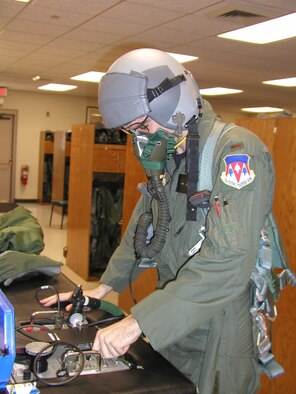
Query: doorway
[{"x": 7, "y": 154}]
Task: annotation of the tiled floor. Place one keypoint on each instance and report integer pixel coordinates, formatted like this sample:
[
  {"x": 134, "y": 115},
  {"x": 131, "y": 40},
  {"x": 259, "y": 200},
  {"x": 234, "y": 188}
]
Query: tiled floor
[{"x": 55, "y": 240}]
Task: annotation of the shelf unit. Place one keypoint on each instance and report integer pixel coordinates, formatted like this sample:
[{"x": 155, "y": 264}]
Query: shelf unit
[
  {"x": 54, "y": 157},
  {"x": 87, "y": 159},
  {"x": 45, "y": 160}
]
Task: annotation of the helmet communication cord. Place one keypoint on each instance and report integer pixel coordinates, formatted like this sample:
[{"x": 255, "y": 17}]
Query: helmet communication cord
[{"x": 192, "y": 165}]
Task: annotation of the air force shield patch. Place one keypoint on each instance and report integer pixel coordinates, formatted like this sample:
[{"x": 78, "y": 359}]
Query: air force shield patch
[{"x": 237, "y": 172}]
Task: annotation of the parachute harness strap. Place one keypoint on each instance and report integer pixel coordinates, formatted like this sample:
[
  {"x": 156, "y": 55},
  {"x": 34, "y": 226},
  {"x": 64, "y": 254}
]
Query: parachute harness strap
[{"x": 266, "y": 289}]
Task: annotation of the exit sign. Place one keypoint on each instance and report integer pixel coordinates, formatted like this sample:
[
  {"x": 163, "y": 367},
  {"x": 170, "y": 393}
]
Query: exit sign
[{"x": 3, "y": 92}]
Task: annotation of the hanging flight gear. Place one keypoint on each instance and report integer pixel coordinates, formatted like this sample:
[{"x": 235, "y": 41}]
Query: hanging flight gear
[{"x": 266, "y": 290}]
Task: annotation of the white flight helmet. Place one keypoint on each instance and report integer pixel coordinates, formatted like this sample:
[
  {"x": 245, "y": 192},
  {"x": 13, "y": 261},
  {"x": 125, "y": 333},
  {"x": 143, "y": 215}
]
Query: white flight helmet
[{"x": 148, "y": 82}]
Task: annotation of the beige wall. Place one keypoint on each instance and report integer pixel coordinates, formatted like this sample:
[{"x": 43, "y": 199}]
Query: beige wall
[
  {"x": 63, "y": 111},
  {"x": 44, "y": 111}
]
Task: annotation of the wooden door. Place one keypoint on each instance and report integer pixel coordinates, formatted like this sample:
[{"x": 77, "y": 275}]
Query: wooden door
[
  {"x": 6, "y": 157},
  {"x": 80, "y": 196},
  {"x": 58, "y": 173}
]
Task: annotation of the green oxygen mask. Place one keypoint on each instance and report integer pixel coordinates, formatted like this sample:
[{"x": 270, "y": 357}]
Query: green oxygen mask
[{"x": 153, "y": 150}]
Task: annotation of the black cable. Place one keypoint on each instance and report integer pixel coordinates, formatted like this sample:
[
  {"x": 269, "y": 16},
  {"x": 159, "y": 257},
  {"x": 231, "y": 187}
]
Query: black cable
[
  {"x": 46, "y": 288},
  {"x": 105, "y": 321},
  {"x": 68, "y": 379},
  {"x": 13, "y": 378},
  {"x": 130, "y": 280},
  {"x": 66, "y": 323}
]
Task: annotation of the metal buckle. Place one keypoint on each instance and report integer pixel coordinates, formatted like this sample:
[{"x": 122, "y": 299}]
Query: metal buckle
[{"x": 263, "y": 342}]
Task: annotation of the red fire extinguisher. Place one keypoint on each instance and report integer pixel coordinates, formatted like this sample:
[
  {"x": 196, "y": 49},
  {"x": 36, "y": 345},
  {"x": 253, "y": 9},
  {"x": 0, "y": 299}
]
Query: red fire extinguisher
[{"x": 24, "y": 174}]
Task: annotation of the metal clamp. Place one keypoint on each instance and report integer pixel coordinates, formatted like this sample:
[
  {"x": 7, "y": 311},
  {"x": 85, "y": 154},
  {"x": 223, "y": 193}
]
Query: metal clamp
[{"x": 197, "y": 246}]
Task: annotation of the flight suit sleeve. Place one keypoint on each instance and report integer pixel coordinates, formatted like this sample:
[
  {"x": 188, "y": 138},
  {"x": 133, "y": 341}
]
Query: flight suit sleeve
[
  {"x": 221, "y": 271},
  {"x": 121, "y": 263}
]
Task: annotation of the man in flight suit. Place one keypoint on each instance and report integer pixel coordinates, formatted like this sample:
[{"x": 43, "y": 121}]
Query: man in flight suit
[{"x": 199, "y": 316}]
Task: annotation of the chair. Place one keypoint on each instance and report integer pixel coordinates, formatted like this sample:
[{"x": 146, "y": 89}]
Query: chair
[{"x": 59, "y": 203}]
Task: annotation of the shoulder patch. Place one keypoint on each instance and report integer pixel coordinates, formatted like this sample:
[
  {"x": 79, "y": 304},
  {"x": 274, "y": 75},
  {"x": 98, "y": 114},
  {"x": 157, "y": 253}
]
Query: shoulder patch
[{"x": 237, "y": 172}]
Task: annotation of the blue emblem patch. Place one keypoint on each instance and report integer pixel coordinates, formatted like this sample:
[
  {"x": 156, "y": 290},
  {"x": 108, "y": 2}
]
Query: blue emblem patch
[{"x": 237, "y": 172}]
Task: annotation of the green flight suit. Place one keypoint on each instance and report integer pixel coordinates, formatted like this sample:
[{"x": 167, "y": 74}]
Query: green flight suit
[{"x": 199, "y": 317}]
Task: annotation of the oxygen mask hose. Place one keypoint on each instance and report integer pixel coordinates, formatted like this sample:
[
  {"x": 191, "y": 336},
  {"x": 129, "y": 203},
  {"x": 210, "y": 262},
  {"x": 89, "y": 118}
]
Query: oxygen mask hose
[
  {"x": 157, "y": 241},
  {"x": 152, "y": 151}
]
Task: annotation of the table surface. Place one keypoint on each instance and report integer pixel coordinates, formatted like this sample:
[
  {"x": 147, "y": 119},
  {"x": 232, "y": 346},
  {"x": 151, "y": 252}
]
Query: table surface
[{"x": 157, "y": 375}]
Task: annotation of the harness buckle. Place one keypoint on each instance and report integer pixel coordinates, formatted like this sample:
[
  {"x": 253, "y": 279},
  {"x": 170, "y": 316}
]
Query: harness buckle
[
  {"x": 272, "y": 315},
  {"x": 201, "y": 199},
  {"x": 263, "y": 342},
  {"x": 283, "y": 279},
  {"x": 195, "y": 248}
]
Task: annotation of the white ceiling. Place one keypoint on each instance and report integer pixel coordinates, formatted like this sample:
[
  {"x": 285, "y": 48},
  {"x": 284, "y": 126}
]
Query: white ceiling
[{"x": 58, "y": 39}]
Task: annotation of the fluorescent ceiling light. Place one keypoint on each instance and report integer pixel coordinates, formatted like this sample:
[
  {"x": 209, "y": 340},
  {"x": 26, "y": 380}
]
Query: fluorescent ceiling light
[
  {"x": 91, "y": 76},
  {"x": 262, "y": 109},
  {"x": 288, "y": 82},
  {"x": 262, "y": 33},
  {"x": 57, "y": 87},
  {"x": 23, "y": 1},
  {"x": 182, "y": 58},
  {"x": 218, "y": 91}
]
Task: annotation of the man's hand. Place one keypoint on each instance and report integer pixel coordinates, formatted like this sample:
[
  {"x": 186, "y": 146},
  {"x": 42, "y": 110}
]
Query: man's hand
[
  {"x": 115, "y": 340},
  {"x": 98, "y": 292},
  {"x": 51, "y": 300}
]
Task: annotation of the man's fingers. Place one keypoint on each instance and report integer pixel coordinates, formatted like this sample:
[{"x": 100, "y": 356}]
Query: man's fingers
[
  {"x": 107, "y": 350},
  {"x": 48, "y": 301},
  {"x": 104, "y": 347},
  {"x": 69, "y": 307},
  {"x": 107, "y": 347},
  {"x": 115, "y": 340}
]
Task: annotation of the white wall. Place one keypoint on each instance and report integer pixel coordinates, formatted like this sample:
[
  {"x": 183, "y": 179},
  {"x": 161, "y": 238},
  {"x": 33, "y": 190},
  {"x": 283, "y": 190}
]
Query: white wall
[{"x": 37, "y": 112}]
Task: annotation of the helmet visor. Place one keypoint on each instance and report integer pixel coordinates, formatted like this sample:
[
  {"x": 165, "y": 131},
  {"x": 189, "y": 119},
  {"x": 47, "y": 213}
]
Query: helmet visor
[{"x": 122, "y": 98}]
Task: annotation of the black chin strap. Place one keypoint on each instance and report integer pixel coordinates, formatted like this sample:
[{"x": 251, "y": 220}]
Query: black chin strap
[{"x": 192, "y": 166}]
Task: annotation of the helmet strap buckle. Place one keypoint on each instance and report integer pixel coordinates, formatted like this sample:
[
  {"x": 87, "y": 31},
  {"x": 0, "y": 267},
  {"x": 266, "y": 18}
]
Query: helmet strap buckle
[{"x": 178, "y": 119}]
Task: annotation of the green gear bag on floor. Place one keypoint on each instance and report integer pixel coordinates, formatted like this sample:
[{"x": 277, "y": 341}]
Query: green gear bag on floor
[
  {"x": 15, "y": 265},
  {"x": 20, "y": 231}
]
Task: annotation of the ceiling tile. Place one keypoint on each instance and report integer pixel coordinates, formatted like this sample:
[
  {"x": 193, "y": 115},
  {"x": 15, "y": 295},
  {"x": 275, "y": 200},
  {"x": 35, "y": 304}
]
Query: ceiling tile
[
  {"x": 53, "y": 16},
  {"x": 16, "y": 36},
  {"x": 92, "y": 7},
  {"x": 47, "y": 29},
  {"x": 184, "y": 6},
  {"x": 11, "y": 8},
  {"x": 113, "y": 25},
  {"x": 98, "y": 37},
  {"x": 140, "y": 14}
]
